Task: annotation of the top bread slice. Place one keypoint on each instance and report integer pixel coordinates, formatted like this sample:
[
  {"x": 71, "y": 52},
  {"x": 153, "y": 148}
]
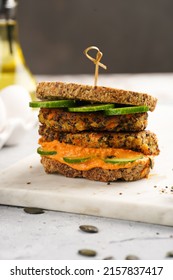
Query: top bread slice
[{"x": 60, "y": 90}]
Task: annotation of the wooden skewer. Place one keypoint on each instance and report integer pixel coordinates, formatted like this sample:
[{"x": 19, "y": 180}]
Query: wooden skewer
[{"x": 96, "y": 61}]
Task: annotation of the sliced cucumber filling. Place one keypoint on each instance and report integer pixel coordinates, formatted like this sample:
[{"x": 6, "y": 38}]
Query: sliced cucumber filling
[
  {"x": 45, "y": 153},
  {"x": 91, "y": 108},
  {"x": 75, "y": 159},
  {"x": 112, "y": 160},
  {"x": 121, "y": 160},
  {"x": 126, "y": 110},
  {"x": 52, "y": 104}
]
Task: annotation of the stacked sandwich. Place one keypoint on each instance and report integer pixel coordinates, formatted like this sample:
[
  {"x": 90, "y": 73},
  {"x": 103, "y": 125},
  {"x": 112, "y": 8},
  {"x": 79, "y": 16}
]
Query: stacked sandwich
[{"x": 96, "y": 133}]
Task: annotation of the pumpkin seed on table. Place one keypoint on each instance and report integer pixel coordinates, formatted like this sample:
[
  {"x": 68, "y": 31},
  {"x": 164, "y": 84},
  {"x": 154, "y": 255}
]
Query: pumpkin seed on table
[
  {"x": 169, "y": 254},
  {"x": 87, "y": 253},
  {"x": 109, "y": 258},
  {"x": 33, "y": 210},
  {"x": 89, "y": 228},
  {"x": 131, "y": 257}
]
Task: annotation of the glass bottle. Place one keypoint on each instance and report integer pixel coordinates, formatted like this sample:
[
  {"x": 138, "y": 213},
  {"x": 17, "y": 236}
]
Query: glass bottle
[{"x": 13, "y": 68}]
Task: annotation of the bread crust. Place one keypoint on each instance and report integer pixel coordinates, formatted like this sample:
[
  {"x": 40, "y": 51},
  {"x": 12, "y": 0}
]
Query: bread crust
[
  {"x": 137, "y": 172},
  {"x": 60, "y": 90}
]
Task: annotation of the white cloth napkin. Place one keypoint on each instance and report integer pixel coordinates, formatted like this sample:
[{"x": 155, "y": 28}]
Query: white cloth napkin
[{"x": 16, "y": 117}]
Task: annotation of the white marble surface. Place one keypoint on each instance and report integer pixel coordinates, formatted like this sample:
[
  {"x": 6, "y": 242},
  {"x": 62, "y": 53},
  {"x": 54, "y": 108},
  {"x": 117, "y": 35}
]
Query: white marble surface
[{"x": 55, "y": 235}]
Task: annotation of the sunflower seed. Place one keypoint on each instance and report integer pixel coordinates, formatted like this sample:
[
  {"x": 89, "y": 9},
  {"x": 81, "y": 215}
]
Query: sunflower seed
[
  {"x": 87, "y": 252},
  {"x": 33, "y": 210},
  {"x": 89, "y": 228},
  {"x": 131, "y": 257}
]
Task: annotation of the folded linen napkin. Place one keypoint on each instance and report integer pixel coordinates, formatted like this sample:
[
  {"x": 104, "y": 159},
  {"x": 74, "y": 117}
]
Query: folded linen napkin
[{"x": 16, "y": 118}]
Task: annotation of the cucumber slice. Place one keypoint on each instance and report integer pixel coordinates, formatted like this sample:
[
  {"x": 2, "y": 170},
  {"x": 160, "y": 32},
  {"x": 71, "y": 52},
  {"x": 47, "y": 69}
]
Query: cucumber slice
[
  {"x": 126, "y": 110},
  {"x": 52, "y": 104},
  {"x": 45, "y": 153},
  {"x": 91, "y": 108},
  {"x": 75, "y": 159},
  {"x": 121, "y": 160}
]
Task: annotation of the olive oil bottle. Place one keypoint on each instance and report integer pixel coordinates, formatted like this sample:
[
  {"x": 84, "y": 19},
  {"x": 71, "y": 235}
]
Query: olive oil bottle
[{"x": 13, "y": 68}]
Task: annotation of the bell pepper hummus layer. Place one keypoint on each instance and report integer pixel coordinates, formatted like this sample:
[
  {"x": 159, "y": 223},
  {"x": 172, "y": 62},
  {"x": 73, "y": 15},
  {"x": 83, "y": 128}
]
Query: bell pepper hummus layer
[{"x": 96, "y": 155}]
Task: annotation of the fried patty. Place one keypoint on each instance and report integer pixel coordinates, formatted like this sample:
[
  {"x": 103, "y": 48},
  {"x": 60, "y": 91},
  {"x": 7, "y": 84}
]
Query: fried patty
[
  {"x": 143, "y": 141},
  {"x": 64, "y": 121}
]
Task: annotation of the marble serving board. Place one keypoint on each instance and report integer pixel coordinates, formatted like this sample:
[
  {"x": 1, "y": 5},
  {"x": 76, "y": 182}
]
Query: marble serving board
[{"x": 148, "y": 200}]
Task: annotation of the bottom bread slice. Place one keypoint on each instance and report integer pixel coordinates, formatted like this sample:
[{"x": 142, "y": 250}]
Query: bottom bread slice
[{"x": 137, "y": 172}]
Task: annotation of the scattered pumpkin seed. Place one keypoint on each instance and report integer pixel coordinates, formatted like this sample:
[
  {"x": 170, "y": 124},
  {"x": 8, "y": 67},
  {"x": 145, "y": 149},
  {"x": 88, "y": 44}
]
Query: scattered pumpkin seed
[
  {"x": 87, "y": 252},
  {"x": 169, "y": 254},
  {"x": 131, "y": 257},
  {"x": 89, "y": 228},
  {"x": 33, "y": 210},
  {"x": 109, "y": 258}
]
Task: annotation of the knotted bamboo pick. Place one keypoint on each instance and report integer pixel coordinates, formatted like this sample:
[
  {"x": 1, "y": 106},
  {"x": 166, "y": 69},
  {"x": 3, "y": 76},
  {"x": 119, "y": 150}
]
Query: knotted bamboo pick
[{"x": 96, "y": 61}]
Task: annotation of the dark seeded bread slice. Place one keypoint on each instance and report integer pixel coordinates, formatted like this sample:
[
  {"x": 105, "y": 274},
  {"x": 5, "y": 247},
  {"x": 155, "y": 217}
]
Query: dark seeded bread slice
[
  {"x": 59, "y": 90},
  {"x": 137, "y": 172}
]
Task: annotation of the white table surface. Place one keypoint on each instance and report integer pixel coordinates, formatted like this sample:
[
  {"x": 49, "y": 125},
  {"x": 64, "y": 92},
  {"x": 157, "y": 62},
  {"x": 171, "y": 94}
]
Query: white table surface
[{"x": 56, "y": 235}]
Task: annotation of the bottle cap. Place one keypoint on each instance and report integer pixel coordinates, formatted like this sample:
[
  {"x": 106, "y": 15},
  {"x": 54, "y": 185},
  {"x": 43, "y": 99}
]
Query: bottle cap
[{"x": 8, "y": 8}]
